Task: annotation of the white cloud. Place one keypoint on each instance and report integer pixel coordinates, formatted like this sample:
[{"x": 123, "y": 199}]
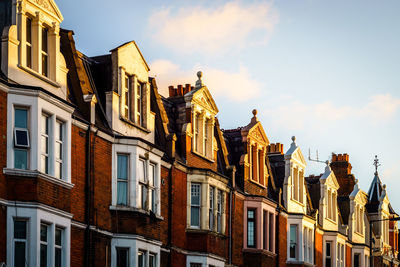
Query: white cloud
[
  {"x": 296, "y": 115},
  {"x": 236, "y": 86},
  {"x": 231, "y": 26}
]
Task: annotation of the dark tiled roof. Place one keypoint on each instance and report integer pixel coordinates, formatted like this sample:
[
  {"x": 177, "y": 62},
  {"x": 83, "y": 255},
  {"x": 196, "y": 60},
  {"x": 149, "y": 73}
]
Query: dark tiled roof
[
  {"x": 344, "y": 208},
  {"x": 314, "y": 189}
]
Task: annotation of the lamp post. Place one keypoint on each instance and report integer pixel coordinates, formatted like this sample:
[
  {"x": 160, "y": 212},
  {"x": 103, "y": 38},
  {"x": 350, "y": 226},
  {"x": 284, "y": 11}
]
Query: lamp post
[{"x": 370, "y": 236}]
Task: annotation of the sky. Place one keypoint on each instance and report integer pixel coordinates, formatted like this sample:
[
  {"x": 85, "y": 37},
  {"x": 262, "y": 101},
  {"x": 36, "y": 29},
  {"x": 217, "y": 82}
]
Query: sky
[{"x": 323, "y": 71}]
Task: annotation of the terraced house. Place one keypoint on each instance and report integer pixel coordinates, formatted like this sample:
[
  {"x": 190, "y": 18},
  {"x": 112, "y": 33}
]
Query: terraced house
[{"x": 99, "y": 169}]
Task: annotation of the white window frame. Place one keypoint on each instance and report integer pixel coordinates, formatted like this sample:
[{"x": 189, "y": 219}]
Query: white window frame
[
  {"x": 59, "y": 140},
  {"x": 45, "y": 134},
  {"x": 197, "y": 206},
  {"x": 220, "y": 207},
  {"x": 122, "y": 180},
  {"x": 135, "y": 244},
  {"x": 36, "y": 105},
  {"x": 28, "y": 44},
  {"x": 35, "y": 215},
  {"x": 20, "y": 240},
  {"x": 211, "y": 219},
  {"x": 43, "y": 53},
  {"x": 126, "y": 97},
  {"x": 45, "y": 243},
  {"x": 296, "y": 256},
  {"x": 14, "y": 135}
]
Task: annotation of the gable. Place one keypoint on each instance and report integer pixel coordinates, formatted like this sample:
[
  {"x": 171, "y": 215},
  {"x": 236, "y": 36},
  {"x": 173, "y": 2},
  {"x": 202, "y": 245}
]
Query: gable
[
  {"x": 331, "y": 181},
  {"x": 257, "y": 133},
  {"x": 49, "y": 6},
  {"x": 298, "y": 155},
  {"x": 203, "y": 98}
]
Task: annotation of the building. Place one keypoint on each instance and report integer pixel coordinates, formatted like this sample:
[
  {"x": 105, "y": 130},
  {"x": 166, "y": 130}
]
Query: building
[{"x": 99, "y": 169}]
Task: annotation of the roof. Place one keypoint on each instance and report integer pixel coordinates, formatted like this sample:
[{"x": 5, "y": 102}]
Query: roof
[{"x": 137, "y": 47}]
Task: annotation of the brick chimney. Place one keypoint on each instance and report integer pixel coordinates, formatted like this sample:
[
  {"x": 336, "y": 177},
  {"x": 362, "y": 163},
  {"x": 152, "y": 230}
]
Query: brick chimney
[
  {"x": 180, "y": 90},
  {"x": 341, "y": 166},
  {"x": 275, "y": 149}
]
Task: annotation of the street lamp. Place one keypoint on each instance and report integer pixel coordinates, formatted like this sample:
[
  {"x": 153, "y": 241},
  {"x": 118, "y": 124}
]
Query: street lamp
[{"x": 370, "y": 235}]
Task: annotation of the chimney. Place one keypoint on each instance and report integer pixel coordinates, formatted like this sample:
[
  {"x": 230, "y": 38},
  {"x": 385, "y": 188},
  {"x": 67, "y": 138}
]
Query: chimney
[
  {"x": 275, "y": 148},
  {"x": 187, "y": 88},
  {"x": 341, "y": 166},
  {"x": 172, "y": 91},
  {"x": 180, "y": 90}
]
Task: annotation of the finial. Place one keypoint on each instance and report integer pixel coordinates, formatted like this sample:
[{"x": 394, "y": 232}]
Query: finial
[
  {"x": 376, "y": 164},
  {"x": 294, "y": 139},
  {"x": 255, "y": 112},
  {"x": 199, "y": 82},
  {"x": 384, "y": 187}
]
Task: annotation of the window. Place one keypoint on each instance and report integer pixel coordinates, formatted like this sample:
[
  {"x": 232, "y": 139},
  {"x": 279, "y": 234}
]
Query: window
[
  {"x": 310, "y": 246},
  {"x": 59, "y": 139},
  {"x": 142, "y": 183},
  {"x": 126, "y": 93},
  {"x": 271, "y": 232},
  {"x": 21, "y": 138},
  {"x": 44, "y": 53},
  {"x": 196, "y": 132},
  {"x": 43, "y": 245},
  {"x": 195, "y": 264},
  {"x": 152, "y": 181},
  {"x": 20, "y": 243},
  {"x": 122, "y": 179},
  {"x": 211, "y": 209},
  {"x": 328, "y": 254},
  {"x": 356, "y": 260},
  {"x": 152, "y": 260},
  {"x": 123, "y": 257},
  {"x": 29, "y": 42},
  {"x": 45, "y": 144},
  {"x": 293, "y": 242},
  {"x": 220, "y": 202},
  {"x": 139, "y": 103},
  {"x": 195, "y": 193},
  {"x": 58, "y": 249},
  {"x": 305, "y": 236},
  {"x": 251, "y": 228}
]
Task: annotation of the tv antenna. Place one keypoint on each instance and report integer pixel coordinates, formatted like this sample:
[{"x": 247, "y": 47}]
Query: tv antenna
[{"x": 317, "y": 159}]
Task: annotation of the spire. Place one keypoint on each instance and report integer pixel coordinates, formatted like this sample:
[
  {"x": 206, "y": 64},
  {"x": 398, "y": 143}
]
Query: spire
[{"x": 376, "y": 188}]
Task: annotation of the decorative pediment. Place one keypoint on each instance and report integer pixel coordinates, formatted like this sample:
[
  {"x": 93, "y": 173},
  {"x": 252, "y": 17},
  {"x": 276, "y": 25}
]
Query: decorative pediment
[
  {"x": 203, "y": 98},
  {"x": 49, "y": 6},
  {"x": 257, "y": 133},
  {"x": 294, "y": 153},
  {"x": 331, "y": 180}
]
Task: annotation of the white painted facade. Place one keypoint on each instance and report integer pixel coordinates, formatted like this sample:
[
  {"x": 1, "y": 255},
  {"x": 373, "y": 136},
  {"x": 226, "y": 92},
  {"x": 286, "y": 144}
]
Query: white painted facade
[{"x": 328, "y": 209}]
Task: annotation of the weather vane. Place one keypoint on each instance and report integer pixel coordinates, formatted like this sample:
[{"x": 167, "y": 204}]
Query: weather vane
[{"x": 376, "y": 164}]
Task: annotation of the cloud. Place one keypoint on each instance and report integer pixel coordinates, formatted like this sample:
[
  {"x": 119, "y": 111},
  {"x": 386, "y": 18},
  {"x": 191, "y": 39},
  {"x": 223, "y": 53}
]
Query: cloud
[
  {"x": 214, "y": 30},
  {"x": 296, "y": 115},
  {"x": 236, "y": 86}
]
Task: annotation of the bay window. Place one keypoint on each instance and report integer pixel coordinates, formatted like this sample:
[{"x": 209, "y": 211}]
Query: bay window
[
  {"x": 21, "y": 138},
  {"x": 293, "y": 246},
  {"x": 143, "y": 183},
  {"x": 211, "y": 208},
  {"x": 28, "y": 42},
  {"x": 122, "y": 179},
  {"x": 20, "y": 243},
  {"x": 43, "y": 245},
  {"x": 195, "y": 205},
  {"x": 122, "y": 257},
  {"x": 45, "y": 144},
  {"x": 44, "y": 52},
  {"x": 251, "y": 228}
]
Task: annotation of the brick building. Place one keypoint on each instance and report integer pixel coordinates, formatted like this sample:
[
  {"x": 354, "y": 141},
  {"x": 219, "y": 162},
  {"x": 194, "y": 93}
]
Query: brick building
[{"x": 99, "y": 169}]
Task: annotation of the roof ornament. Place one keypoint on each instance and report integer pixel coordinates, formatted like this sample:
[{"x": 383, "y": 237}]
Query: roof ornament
[
  {"x": 254, "y": 119},
  {"x": 199, "y": 82},
  {"x": 376, "y": 164}
]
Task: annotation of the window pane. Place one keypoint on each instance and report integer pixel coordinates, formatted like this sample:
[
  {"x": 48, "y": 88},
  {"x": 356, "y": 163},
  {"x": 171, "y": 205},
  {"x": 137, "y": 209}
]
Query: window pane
[
  {"x": 141, "y": 261},
  {"x": 29, "y": 56},
  {"x": 20, "y": 159},
  {"x": 20, "y": 229},
  {"x": 328, "y": 249},
  {"x": 141, "y": 171},
  {"x": 122, "y": 194},
  {"x": 19, "y": 254},
  {"x": 58, "y": 170},
  {"x": 250, "y": 214},
  {"x": 21, "y": 118},
  {"x": 152, "y": 174},
  {"x": 44, "y": 65},
  {"x": 29, "y": 30},
  {"x": 250, "y": 234},
  {"x": 152, "y": 260},
  {"x": 43, "y": 233},
  {"x": 144, "y": 197},
  {"x": 195, "y": 216},
  {"x": 122, "y": 257},
  {"x": 195, "y": 194},
  {"x": 21, "y": 138},
  {"x": 122, "y": 172},
  {"x": 293, "y": 241},
  {"x": 44, "y": 144},
  {"x": 153, "y": 200},
  {"x": 58, "y": 257},
  {"x": 58, "y": 150},
  {"x": 43, "y": 255},
  {"x": 58, "y": 237},
  {"x": 44, "y": 40}
]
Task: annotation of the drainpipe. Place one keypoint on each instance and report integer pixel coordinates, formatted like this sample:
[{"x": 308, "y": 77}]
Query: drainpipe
[
  {"x": 170, "y": 214},
  {"x": 88, "y": 198},
  {"x": 230, "y": 227}
]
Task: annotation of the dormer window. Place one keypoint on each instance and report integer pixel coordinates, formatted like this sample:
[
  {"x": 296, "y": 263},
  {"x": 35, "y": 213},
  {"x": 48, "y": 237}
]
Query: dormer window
[
  {"x": 257, "y": 162},
  {"x": 44, "y": 52},
  {"x": 332, "y": 205},
  {"x": 203, "y": 135},
  {"x": 29, "y": 42},
  {"x": 359, "y": 219},
  {"x": 298, "y": 184},
  {"x": 126, "y": 93},
  {"x": 139, "y": 104}
]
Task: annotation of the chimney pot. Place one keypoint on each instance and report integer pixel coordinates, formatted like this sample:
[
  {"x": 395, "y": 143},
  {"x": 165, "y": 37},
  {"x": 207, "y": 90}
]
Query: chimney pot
[
  {"x": 187, "y": 88},
  {"x": 180, "y": 90},
  {"x": 172, "y": 91}
]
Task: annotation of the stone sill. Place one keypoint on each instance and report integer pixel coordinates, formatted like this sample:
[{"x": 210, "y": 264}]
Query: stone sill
[
  {"x": 39, "y": 76},
  {"x": 257, "y": 183},
  {"x": 202, "y": 231},
  {"x": 37, "y": 174},
  {"x": 133, "y": 209},
  {"x": 260, "y": 251},
  {"x": 134, "y": 124},
  {"x": 296, "y": 262}
]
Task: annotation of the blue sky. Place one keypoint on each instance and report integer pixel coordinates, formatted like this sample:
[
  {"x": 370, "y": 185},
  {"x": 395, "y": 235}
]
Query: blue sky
[{"x": 324, "y": 71}]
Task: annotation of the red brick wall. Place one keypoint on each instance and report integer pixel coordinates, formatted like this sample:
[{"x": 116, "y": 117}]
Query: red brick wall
[
  {"x": 282, "y": 239},
  {"x": 207, "y": 242},
  {"x": 348, "y": 256},
  {"x": 318, "y": 249},
  {"x": 259, "y": 259},
  {"x": 102, "y": 250},
  {"x": 254, "y": 189},
  {"x": 78, "y": 173},
  {"x": 178, "y": 259},
  {"x": 77, "y": 247},
  {"x": 39, "y": 190},
  {"x": 178, "y": 220},
  {"x": 237, "y": 228}
]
